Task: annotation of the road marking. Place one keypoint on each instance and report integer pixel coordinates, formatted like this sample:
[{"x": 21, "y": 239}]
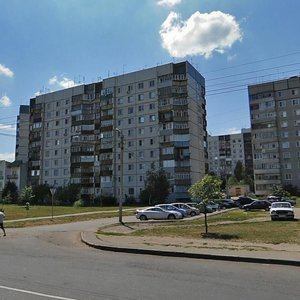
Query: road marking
[{"x": 34, "y": 293}]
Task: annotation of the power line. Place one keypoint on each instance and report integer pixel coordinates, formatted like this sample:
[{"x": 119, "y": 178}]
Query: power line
[
  {"x": 9, "y": 135},
  {"x": 253, "y": 62}
]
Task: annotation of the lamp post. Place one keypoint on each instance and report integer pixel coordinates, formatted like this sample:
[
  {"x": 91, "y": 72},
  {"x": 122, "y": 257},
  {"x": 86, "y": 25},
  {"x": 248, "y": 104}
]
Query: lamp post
[
  {"x": 121, "y": 172},
  {"x": 52, "y": 190}
]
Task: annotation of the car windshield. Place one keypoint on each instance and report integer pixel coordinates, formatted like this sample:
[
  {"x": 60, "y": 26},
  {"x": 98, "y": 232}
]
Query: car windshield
[{"x": 281, "y": 205}]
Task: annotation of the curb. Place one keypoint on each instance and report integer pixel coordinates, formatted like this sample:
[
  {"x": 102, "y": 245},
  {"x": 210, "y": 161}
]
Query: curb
[{"x": 85, "y": 240}]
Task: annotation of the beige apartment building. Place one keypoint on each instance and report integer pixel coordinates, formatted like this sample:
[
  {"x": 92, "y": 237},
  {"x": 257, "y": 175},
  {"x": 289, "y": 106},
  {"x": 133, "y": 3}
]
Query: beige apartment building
[
  {"x": 76, "y": 134},
  {"x": 275, "y": 123}
]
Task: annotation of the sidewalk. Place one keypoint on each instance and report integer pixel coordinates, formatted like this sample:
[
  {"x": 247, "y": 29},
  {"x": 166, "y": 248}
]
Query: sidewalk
[{"x": 284, "y": 254}]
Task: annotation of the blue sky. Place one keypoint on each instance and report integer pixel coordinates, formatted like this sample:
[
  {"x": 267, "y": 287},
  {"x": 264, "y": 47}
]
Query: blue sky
[{"x": 46, "y": 45}]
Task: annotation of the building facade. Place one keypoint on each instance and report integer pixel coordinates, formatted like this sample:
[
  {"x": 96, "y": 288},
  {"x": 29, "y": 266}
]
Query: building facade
[
  {"x": 275, "y": 123},
  {"x": 224, "y": 151},
  {"x": 106, "y": 135}
]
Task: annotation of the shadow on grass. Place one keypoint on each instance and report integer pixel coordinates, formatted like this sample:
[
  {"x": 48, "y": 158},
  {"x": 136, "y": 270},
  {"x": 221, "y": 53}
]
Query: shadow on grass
[
  {"x": 125, "y": 225},
  {"x": 219, "y": 236}
]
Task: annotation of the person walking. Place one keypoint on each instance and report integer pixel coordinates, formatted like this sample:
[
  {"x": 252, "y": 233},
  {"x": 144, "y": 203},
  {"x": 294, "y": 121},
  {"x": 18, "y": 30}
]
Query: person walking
[{"x": 2, "y": 216}]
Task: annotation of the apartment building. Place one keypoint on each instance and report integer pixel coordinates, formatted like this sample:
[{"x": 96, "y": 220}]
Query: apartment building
[
  {"x": 275, "y": 123},
  {"x": 106, "y": 135},
  {"x": 224, "y": 151}
]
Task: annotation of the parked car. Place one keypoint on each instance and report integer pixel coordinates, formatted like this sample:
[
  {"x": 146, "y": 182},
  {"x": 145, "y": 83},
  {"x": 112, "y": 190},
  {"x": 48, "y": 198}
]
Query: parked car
[
  {"x": 257, "y": 204},
  {"x": 280, "y": 199},
  {"x": 192, "y": 211},
  {"x": 157, "y": 213},
  {"x": 201, "y": 207},
  {"x": 213, "y": 204},
  {"x": 171, "y": 207},
  {"x": 242, "y": 200},
  {"x": 281, "y": 210},
  {"x": 227, "y": 203}
]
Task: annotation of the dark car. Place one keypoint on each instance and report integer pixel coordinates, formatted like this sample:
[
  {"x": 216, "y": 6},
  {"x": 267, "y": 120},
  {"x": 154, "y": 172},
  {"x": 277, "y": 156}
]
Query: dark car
[
  {"x": 227, "y": 203},
  {"x": 257, "y": 204},
  {"x": 243, "y": 200}
]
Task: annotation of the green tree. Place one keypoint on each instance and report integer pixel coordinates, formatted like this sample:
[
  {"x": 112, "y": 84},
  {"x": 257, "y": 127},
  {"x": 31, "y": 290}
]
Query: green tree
[
  {"x": 278, "y": 191},
  {"x": 42, "y": 194},
  {"x": 67, "y": 195},
  {"x": 26, "y": 194},
  {"x": 206, "y": 189},
  {"x": 156, "y": 187},
  {"x": 11, "y": 189},
  {"x": 239, "y": 171}
]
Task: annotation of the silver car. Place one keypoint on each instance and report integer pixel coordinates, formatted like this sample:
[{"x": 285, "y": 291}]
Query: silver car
[
  {"x": 281, "y": 210},
  {"x": 191, "y": 211},
  {"x": 157, "y": 213}
]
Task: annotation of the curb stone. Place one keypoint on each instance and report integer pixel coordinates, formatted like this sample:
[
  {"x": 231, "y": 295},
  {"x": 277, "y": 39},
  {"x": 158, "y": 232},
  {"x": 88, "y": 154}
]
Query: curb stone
[{"x": 90, "y": 239}]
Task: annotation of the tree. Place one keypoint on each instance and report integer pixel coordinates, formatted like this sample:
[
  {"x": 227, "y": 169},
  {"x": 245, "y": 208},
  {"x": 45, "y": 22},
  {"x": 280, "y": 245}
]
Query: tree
[
  {"x": 67, "y": 195},
  {"x": 26, "y": 194},
  {"x": 239, "y": 171},
  {"x": 156, "y": 187},
  {"x": 206, "y": 189},
  {"x": 42, "y": 194},
  {"x": 278, "y": 191},
  {"x": 11, "y": 189}
]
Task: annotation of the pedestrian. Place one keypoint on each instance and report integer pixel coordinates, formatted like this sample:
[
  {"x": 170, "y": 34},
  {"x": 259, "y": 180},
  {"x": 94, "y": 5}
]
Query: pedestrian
[{"x": 2, "y": 216}]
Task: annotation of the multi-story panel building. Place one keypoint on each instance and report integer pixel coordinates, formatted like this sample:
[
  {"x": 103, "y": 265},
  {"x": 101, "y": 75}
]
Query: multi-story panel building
[
  {"x": 159, "y": 114},
  {"x": 224, "y": 151},
  {"x": 275, "y": 123}
]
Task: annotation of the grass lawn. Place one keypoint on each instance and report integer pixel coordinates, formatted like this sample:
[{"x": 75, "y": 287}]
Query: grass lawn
[
  {"x": 15, "y": 212},
  {"x": 235, "y": 225}
]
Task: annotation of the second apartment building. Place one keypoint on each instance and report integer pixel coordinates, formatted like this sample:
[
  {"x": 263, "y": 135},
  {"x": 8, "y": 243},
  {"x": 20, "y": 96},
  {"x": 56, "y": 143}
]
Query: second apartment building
[{"x": 275, "y": 123}]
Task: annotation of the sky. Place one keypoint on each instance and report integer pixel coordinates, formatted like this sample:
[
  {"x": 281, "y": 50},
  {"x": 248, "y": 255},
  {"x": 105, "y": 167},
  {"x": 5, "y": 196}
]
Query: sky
[{"x": 47, "y": 45}]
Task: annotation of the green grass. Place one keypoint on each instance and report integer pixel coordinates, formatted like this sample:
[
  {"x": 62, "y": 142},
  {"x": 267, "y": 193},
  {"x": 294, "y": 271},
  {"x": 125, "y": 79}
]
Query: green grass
[
  {"x": 234, "y": 225},
  {"x": 16, "y": 212}
]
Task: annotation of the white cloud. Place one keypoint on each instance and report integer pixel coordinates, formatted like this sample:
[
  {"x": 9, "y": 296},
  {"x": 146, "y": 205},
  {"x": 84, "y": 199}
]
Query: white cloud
[
  {"x": 201, "y": 34},
  {"x": 9, "y": 128},
  {"x": 6, "y": 71},
  {"x": 7, "y": 156},
  {"x": 168, "y": 3},
  {"x": 63, "y": 82},
  {"x": 5, "y": 101}
]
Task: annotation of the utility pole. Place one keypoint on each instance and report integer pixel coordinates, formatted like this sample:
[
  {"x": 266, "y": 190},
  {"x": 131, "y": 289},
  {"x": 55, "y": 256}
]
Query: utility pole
[{"x": 121, "y": 175}]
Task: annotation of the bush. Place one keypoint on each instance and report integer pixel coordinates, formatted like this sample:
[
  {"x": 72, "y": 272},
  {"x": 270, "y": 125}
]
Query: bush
[
  {"x": 108, "y": 201},
  {"x": 130, "y": 201},
  {"x": 78, "y": 203}
]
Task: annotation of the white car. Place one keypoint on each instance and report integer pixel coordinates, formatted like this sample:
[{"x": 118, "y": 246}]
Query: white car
[
  {"x": 157, "y": 213},
  {"x": 281, "y": 210}
]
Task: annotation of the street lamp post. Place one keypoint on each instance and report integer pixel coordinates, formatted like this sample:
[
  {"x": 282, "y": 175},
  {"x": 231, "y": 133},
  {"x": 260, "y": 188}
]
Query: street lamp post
[
  {"x": 121, "y": 175},
  {"x": 52, "y": 190}
]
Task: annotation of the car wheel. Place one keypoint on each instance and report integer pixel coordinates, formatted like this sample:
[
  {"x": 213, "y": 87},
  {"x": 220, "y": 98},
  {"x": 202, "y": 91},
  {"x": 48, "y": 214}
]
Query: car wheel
[
  {"x": 193, "y": 214},
  {"x": 171, "y": 217},
  {"x": 143, "y": 218},
  {"x": 273, "y": 219}
]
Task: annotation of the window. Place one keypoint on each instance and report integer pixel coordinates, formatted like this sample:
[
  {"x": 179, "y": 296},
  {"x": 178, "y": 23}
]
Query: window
[
  {"x": 56, "y": 142},
  {"x": 151, "y": 95},
  {"x": 130, "y": 110},
  {"x": 288, "y": 176},
  {"x": 141, "y": 107},
  {"x": 120, "y": 101},
  {"x": 141, "y": 119},
  {"x": 130, "y": 121},
  {"x": 152, "y": 118},
  {"x": 151, "y": 141},
  {"x": 151, "y": 83},
  {"x": 141, "y": 131},
  {"x": 141, "y": 166},
  {"x": 295, "y": 102},
  {"x": 120, "y": 112},
  {"x": 297, "y": 112},
  {"x": 56, "y": 123},
  {"x": 130, "y": 167},
  {"x": 282, "y": 104},
  {"x": 283, "y": 114},
  {"x": 152, "y": 106},
  {"x": 140, "y": 143},
  {"x": 285, "y": 145},
  {"x": 141, "y": 85},
  {"x": 130, "y": 99},
  {"x": 55, "y": 172},
  {"x": 151, "y": 153},
  {"x": 284, "y": 124},
  {"x": 131, "y": 191},
  {"x": 141, "y": 97}
]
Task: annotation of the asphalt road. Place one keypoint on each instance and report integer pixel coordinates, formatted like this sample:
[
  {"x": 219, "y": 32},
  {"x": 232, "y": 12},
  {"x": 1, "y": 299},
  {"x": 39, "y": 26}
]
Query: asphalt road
[{"x": 50, "y": 262}]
